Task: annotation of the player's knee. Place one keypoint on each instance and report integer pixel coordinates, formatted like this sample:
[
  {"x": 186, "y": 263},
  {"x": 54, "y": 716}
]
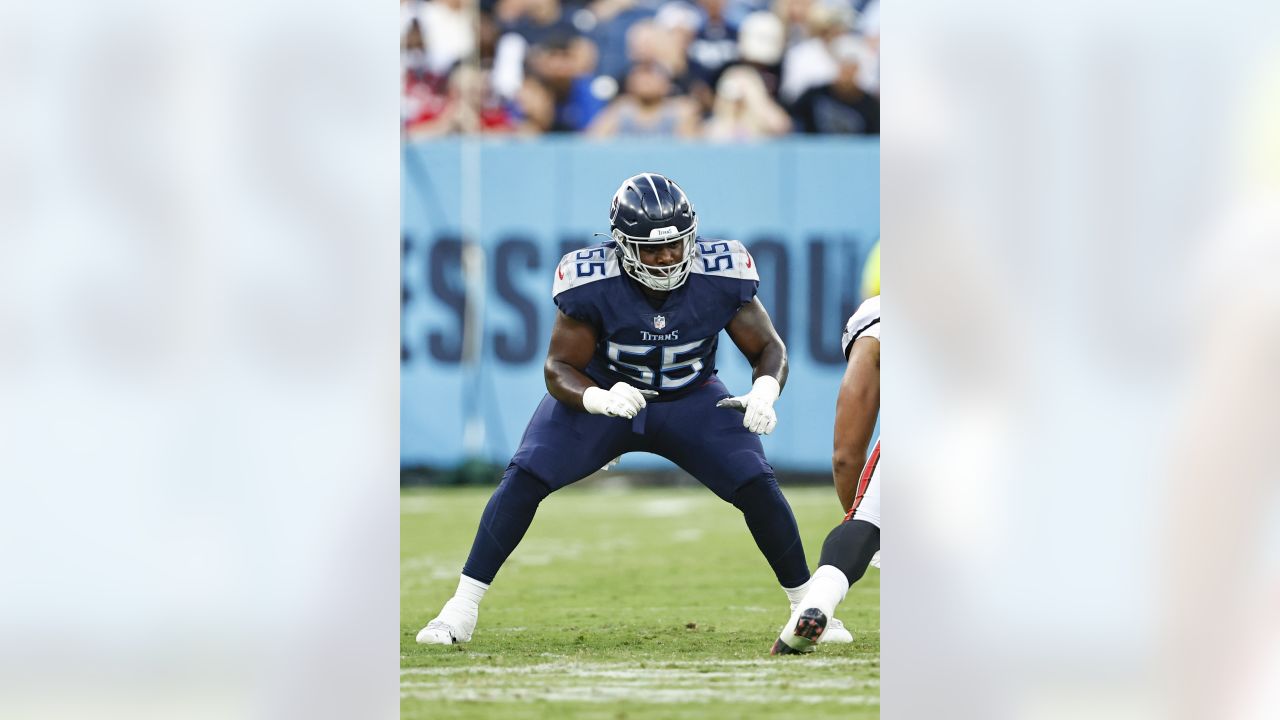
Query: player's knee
[
  {"x": 523, "y": 486},
  {"x": 761, "y": 490}
]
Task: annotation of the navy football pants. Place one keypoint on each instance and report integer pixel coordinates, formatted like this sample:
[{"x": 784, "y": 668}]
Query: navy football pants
[{"x": 561, "y": 446}]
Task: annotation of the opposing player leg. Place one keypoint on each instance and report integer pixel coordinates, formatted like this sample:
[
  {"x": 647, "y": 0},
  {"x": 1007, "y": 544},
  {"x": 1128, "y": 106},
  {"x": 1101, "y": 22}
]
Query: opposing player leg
[
  {"x": 711, "y": 444},
  {"x": 846, "y": 553},
  {"x": 560, "y": 446}
]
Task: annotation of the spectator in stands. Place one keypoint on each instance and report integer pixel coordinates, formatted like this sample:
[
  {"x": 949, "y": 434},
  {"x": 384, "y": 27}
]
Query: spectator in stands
[
  {"x": 744, "y": 110},
  {"x": 408, "y": 13},
  {"x": 761, "y": 40},
  {"x": 475, "y": 108},
  {"x": 647, "y": 109},
  {"x": 647, "y": 42},
  {"x": 842, "y": 106},
  {"x": 538, "y": 20},
  {"x": 534, "y": 108},
  {"x": 424, "y": 94},
  {"x": 679, "y": 22},
  {"x": 449, "y": 33},
  {"x": 487, "y": 41},
  {"x": 413, "y": 43},
  {"x": 737, "y": 10},
  {"x": 613, "y": 20},
  {"x": 810, "y": 62},
  {"x": 795, "y": 18},
  {"x": 541, "y": 39},
  {"x": 558, "y": 64},
  {"x": 867, "y": 27},
  {"x": 714, "y": 48}
]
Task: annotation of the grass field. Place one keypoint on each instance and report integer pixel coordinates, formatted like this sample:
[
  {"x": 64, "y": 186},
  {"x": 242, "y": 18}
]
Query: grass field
[{"x": 625, "y": 604}]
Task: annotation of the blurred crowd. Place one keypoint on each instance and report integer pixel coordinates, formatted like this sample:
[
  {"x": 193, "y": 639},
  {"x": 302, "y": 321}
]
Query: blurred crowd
[{"x": 723, "y": 70}]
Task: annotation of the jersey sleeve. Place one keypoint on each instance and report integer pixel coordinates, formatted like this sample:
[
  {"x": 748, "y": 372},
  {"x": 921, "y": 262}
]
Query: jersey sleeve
[
  {"x": 863, "y": 323},
  {"x": 729, "y": 261},
  {"x": 572, "y": 288}
]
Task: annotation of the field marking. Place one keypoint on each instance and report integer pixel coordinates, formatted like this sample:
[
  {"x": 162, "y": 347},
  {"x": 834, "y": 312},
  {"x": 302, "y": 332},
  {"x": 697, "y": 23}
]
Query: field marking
[
  {"x": 684, "y": 680},
  {"x": 429, "y": 567},
  {"x": 614, "y": 693},
  {"x": 422, "y": 505},
  {"x": 572, "y": 666},
  {"x": 691, "y": 534},
  {"x": 663, "y": 677},
  {"x": 774, "y": 681},
  {"x": 665, "y": 507},
  {"x": 545, "y": 551},
  {"x": 760, "y": 680}
]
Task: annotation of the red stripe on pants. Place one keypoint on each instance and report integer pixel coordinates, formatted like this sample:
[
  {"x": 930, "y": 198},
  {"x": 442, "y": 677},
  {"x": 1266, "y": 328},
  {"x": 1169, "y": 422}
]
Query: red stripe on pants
[{"x": 865, "y": 481}]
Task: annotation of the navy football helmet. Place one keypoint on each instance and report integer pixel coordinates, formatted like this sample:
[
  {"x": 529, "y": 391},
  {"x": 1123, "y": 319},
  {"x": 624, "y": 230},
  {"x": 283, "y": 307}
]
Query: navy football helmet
[{"x": 650, "y": 209}]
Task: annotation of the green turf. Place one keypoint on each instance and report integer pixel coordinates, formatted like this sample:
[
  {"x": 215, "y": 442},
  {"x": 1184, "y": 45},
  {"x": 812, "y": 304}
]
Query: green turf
[{"x": 622, "y": 605}]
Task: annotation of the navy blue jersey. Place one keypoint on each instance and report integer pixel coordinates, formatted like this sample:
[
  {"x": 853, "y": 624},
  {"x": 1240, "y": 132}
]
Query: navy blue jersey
[{"x": 672, "y": 348}]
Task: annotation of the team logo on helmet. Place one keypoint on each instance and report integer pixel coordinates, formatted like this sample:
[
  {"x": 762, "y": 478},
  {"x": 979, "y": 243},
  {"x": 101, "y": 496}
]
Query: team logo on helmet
[{"x": 659, "y": 322}]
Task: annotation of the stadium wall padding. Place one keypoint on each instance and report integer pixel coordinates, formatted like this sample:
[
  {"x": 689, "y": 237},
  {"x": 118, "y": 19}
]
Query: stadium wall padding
[{"x": 808, "y": 209}]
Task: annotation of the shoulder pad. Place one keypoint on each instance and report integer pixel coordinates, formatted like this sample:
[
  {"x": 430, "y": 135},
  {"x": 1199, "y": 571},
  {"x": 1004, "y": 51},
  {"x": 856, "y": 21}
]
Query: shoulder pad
[
  {"x": 725, "y": 258},
  {"x": 866, "y": 321},
  {"x": 584, "y": 266}
]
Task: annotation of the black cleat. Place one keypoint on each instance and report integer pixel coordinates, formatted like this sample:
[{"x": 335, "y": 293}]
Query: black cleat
[{"x": 781, "y": 648}]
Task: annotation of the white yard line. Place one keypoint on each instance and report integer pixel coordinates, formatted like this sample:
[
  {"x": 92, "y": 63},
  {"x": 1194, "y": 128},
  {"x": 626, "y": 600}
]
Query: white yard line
[
  {"x": 687, "y": 535},
  {"x": 777, "y": 665},
  {"x": 614, "y": 693},
  {"x": 543, "y": 551},
  {"x": 665, "y": 507},
  {"x": 681, "y": 678},
  {"x": 755, "y": 681},
  {"x": 418, "y": 572}
]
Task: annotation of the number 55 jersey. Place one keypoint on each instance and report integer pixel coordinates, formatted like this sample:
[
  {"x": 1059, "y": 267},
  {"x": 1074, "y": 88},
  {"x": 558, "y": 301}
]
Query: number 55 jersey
[{"x": 671, "y": 348}]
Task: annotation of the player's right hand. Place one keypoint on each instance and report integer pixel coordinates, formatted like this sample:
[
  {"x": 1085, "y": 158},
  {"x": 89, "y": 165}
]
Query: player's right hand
[{"x": 621, "y": 400}]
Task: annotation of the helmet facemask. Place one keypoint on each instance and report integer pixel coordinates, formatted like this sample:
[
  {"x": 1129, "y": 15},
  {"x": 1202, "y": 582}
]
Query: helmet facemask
[{"x": 658, "y": 277}]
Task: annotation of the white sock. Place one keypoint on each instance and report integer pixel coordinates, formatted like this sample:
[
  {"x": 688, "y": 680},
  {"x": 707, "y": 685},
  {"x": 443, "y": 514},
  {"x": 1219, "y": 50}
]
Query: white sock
[
  {"x": 470, "y": 591},
  {"x": 827, "y": 589},
  {"x": 796, "y": 594}
]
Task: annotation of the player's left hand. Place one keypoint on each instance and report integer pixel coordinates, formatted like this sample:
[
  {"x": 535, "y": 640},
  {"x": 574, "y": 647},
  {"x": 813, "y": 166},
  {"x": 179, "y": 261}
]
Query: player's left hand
[{"x": 757, "y": 406}]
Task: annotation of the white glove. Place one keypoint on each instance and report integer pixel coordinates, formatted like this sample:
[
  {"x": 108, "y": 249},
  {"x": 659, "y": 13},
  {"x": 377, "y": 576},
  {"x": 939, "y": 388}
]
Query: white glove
[
  {"x": 757, "y": 405},
  {"x": 621, "y": 400}
]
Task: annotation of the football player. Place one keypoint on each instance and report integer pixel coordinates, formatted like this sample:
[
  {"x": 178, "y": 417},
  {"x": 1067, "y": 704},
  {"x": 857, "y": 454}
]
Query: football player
[
  {"x": 631, "y": 368},
  {"x": 849, "y": 547}
]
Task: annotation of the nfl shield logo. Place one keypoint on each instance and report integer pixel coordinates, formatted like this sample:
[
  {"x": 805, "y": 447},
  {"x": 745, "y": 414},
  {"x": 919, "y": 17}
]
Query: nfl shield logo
[{"x": 659, "y": 322}]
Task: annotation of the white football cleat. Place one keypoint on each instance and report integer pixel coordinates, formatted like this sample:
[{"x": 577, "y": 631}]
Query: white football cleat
[
  {"x": 804, "y": 630},
  {"x": 454, "y": 624},
  {"x": 836, "y": 633}
]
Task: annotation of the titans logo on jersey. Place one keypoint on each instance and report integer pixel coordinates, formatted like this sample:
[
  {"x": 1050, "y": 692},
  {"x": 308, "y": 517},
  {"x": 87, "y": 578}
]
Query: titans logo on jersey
[{"x": 671, "y": 348}]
